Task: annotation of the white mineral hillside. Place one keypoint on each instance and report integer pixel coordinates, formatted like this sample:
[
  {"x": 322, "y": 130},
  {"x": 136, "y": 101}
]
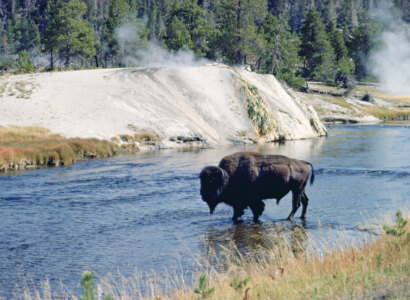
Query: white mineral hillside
[{"x": 210, "y": 104}]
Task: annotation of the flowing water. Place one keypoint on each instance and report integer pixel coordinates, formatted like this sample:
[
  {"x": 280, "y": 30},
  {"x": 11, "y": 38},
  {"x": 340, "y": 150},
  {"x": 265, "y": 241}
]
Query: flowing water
[{"x": 144, "y": 212}]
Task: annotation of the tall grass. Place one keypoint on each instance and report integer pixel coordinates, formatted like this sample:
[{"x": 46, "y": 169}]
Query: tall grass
[
  {"x": 29, "y": 147},
  {"x": 284, "y": 269},
  {"x": 386, "y": 114},
  {"x": 377, "y": 92}
]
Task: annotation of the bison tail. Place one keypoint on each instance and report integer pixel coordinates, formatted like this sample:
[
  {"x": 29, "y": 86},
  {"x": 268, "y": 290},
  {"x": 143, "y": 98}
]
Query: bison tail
[{"x": 312, "y": 176}]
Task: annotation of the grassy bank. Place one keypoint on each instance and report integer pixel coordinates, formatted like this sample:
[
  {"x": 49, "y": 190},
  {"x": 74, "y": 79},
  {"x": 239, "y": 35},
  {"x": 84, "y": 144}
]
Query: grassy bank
[
  {"x": 387, "y": 114},
  {"x": 377, "y": 269},
  {"x": 387, "y": 107},
  {"x": 31, "y": 147}
]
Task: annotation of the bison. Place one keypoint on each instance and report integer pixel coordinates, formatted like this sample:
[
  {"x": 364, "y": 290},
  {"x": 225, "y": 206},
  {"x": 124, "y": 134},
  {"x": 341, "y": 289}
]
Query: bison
[{"x": 244, "y": 179}]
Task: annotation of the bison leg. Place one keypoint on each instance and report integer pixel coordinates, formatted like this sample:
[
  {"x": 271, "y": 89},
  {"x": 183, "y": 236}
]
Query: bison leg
[
  {"x": 257, "y": 208},
  {"x": 305, "y": 201},
  {"x": 237, "y": 213},
  {"x": 295, "y": 203}
]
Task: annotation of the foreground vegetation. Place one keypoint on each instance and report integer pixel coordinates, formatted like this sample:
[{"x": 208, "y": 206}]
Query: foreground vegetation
[
  {"x": 30, "y": 147},
  {"x": 377, "y": 269}
]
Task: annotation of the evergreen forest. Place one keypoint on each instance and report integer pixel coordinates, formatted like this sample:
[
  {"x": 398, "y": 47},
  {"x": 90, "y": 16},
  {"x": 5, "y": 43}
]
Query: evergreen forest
[{"x": 296, "y": 40}]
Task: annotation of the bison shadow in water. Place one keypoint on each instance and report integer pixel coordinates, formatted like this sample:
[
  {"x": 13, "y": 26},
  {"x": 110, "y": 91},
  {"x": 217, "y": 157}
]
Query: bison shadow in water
[
  {"x": 250, "y": 239},
  {"x": 245, "y": 179}
]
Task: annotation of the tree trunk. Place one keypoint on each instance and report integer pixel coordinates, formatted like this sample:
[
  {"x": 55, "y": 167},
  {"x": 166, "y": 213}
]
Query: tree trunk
[
  {"x": 277, "y": 40},
  {"x": 13, "y": 7},
  {"x": 96, "y": 61},
  {"x": 275, "y": 53},
  {"x": 67, "y": 59},
  {"x": 51, "y": 59},
  {"x": 238, "y": 53}
]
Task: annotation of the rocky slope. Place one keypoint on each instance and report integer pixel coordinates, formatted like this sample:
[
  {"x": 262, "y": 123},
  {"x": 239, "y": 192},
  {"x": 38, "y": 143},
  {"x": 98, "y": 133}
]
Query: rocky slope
[{"x": 201, "y": 105}]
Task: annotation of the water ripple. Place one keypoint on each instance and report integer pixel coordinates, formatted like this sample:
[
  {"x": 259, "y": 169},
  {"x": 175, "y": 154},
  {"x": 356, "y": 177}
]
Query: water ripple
[{"x": 344, "y": 171}]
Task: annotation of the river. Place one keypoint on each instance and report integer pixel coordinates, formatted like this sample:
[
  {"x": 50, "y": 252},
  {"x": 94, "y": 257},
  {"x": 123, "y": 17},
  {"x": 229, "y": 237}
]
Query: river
[{"x": 144, "y": 212}]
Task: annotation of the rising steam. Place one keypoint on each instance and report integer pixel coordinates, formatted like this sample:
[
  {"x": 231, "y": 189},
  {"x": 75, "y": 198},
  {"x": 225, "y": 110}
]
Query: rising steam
[
  {"x": 390, "y": 62},
  {"x": 133, "y": 51}
]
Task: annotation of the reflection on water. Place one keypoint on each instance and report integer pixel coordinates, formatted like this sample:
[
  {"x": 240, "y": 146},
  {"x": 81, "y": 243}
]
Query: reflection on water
[
  {"x": 254, "y": 240},
  {"x": 142, "y": 211}
]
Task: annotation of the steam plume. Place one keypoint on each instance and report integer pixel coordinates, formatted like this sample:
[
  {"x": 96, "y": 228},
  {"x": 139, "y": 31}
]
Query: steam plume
[
  {"x": 390, "y": 63},
  {"x": 133, "y": 52}
]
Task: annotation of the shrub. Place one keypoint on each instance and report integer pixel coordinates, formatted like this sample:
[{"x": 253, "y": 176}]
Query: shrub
[
  {"x": 25, "y": 64},
  {"x": 202, "y": 288},
  {"x": 87, "y": 285}
]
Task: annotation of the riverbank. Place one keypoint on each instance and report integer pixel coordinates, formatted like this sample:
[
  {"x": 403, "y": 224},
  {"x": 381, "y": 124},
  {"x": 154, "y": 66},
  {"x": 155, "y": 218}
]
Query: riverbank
[
  {"x": 377, "y": 269},
  {"x": 366, "y": 104},
  {"x": 34, "y": 147},
  {"x": 138, "y": 109}
]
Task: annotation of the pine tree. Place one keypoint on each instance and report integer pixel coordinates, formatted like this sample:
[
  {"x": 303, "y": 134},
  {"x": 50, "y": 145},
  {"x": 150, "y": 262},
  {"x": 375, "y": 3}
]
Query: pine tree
[
  {"x": 345, "y": 64},
  {"x": 25, "y": 65},
  {"x": 346, "y": 35},
  {"x": 319, "y": 57},
  {"x": 160, "y": 28},
  {"x": 347, "y": 13},
  {"x": 152, "y": 22},
  {"x": 30, "y": 36},
  {"x": 49, "y": 40},
  {"x": 193, "y": 17},
  {"x": 238, "y": 23},
  {"x": 281, "y": 51},
  {"x": 226, "y": 39},
  {"x": 362, "y": 41},
  {"x": 336, "y": 40},
  {"x": 178, "y": 35},
  {"x": 276, "y": 7},
  {"x": 67, "y": 31},
  {"x": 10, "y": 37},
  {"x": 329, "y": 11},
  {"x": 77, "y": 35},
  {"x": 117, "y": 12}
]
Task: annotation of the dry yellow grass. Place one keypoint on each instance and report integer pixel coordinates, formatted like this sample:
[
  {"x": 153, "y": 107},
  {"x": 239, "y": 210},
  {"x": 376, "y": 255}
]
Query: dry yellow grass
[
  {"x": 405, "y": 99},
  {"x": 376, "y": 92},
  {"x": 321, "y": 87},
  {"x": 374, "y": 269},
  {"x": 139, "y": 137},
  {"x": 338, "y": 101},
  {"x": 146, "y": 137},
  {"x": 283, "y": 269},
  {"x": 386, "y": 114},
  {"x": 359, "y": 91},
  {"x": 28, "y": 147},
  {"x": 130, "y": 142}
]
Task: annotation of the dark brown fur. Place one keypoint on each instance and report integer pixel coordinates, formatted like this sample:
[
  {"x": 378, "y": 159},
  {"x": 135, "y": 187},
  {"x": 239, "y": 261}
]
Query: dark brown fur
[{"x": 244, "y": 179}]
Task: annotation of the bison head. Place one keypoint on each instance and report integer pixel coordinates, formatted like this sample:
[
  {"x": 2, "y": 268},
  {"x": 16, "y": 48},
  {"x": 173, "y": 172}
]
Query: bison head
[{"x": 213, "y": 182}]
